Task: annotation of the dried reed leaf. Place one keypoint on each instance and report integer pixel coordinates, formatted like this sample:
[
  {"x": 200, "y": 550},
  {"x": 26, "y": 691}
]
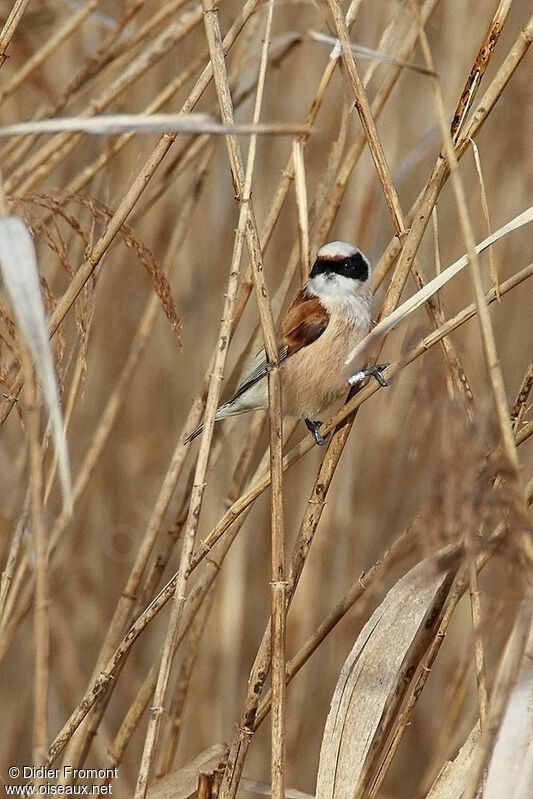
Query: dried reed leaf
[
  {"x": 18, "y": 263},
  {"x": 107, "y": 124},
  {"x": 402, "y": 311},
  {"x": 510, "y": 771},
  {"x": 184, "y": 781},
  {"x": 365, "y": 52},
  {"x": 375, "y": 675},
  {"x": 450, "y": 782}
]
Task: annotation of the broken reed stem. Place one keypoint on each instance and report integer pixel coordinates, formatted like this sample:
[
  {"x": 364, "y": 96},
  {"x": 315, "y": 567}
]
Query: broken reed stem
[
  {"x": 41, "y": 620},
  {"x": 478, "y": 69},
  {"x": 10, "y": 26}
]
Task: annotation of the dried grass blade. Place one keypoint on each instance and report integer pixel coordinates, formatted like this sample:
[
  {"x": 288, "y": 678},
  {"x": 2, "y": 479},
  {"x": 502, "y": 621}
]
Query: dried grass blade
[
  {"x": 375, "y": 676},
  {"x": 18, "y": 262},
  {"x": 107, "y": 124},
  {"x": 414, "y": 302},
  {"x": 365, "y": 52},
  {"x": 485, "y": 206}
]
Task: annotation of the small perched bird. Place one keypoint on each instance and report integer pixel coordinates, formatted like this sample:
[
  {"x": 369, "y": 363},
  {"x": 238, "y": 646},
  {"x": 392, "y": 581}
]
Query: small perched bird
[{"x": 329, "y": 316}]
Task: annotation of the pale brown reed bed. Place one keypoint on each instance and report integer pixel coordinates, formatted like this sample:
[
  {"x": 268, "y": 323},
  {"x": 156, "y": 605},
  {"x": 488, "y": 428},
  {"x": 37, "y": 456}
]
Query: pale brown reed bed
[{"x": 136, "y": 634}]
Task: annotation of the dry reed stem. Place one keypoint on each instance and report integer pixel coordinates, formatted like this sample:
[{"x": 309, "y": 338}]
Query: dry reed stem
[
  {"x": 478, "y": 69},
  {"x": 369, "y": 126},
  {"x": 41, "y": 621},
  {"x": 10, "y": 26},
  {"x": 248, "y": 227},
  {"x": 477, "y": 627},
  {"x": 11, "y": 563},
  {"x": 131, "y": 197},
  {"x": 110, "y": 124},
  {"x": 158, "y": 603},
  {"x": 124, "y": 609},
  {"x": 186, "y": 671},
  {"x": 215, "y": 47},
  {"x": 418, "y": 216},
  {"x": 378, "y": 155},
  {"x": 368, "y": 580},
  {"x": 301, "y": 205},
  {"x": 49, "y": 47},
  {"x": 515, "y": 484}
]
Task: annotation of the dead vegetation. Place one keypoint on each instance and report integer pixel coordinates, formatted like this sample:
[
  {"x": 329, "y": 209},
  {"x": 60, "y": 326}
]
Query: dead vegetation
[{"x": 136, "y": 632}]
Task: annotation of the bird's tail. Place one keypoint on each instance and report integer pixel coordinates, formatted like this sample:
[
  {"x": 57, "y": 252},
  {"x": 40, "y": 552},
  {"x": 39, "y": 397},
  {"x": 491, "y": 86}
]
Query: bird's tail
[
  {"x": 195, "y": 432},
  {"x": 221, "y": 413}
]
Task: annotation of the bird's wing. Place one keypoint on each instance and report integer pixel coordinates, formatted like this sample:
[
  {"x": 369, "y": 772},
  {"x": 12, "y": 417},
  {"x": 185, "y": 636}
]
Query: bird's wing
[{"x": 304, "y": 322}]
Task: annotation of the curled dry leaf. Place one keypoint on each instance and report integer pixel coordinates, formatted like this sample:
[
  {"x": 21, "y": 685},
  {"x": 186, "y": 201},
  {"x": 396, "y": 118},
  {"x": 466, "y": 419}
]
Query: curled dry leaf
[
  {"x": 375, "y": 678},
  {"x": 18, "y": 263}
]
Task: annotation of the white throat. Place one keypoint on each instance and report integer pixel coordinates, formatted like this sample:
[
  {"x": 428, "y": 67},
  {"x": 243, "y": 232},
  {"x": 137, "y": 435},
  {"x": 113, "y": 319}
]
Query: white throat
[{"x": 337, "y": 287}]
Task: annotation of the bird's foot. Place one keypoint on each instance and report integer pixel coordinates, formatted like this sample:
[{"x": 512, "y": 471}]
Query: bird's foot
[
  {"x": 314, "y": 427},
  {"x": 372, "y": 371}
]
